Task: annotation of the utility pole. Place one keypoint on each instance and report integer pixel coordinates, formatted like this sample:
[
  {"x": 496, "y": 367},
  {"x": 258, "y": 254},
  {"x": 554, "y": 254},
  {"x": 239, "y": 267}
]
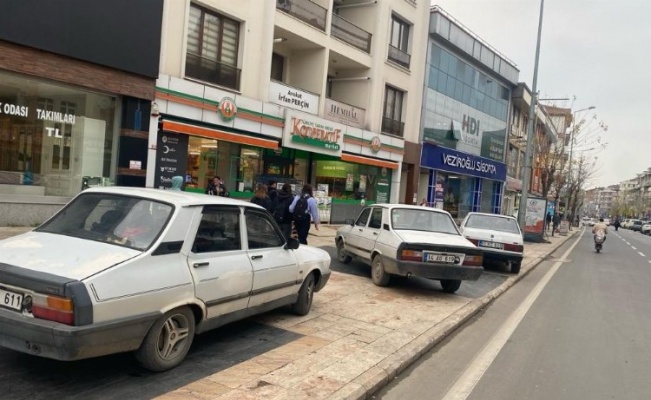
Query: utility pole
[{"x": 522, "y": 210}]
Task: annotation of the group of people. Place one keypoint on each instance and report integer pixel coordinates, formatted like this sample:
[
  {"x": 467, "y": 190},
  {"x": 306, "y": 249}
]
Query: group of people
[{"x": 288, "y": 209}]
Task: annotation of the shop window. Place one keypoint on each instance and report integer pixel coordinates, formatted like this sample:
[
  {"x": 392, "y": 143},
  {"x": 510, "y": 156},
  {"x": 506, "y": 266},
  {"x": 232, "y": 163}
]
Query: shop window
[{"x": 212, "y": 48}]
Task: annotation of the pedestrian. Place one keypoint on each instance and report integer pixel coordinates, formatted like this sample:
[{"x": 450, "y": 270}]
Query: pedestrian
[
  {"x": 216, "y": 187},
  {"x": 261, "y": 198},
  {"x": 281, "y": 212},
  {"x": 302, "y": 208},
  {"x": 549, "y": 219},
  {"x": 556, "y": 220},
  {"x": 177, "y": 183}
]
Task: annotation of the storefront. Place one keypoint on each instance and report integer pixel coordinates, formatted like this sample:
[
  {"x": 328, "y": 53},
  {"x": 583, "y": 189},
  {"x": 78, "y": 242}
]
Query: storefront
[
  {"x": 461, "y": 183},
  {"x": 202, "y": 137}
]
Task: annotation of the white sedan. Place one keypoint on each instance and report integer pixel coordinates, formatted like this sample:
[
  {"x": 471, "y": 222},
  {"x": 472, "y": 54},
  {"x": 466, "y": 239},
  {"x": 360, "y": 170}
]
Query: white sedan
[
  {"x": 144, "y": 270},
  {"x": 398, "y": 239},
  {"x": 499, "y": 236}
]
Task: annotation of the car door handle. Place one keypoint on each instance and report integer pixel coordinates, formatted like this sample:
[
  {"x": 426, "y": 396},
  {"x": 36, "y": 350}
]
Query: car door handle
[
  {"x": 361, "y": 230},
  {"x": 375, "y": 233},
  {"x": 201, "y": 264},
  {"x": 256, "y": 257}
]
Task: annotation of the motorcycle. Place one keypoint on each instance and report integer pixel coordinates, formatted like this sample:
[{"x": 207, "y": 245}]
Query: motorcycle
[{"x": 599, "y": 239}]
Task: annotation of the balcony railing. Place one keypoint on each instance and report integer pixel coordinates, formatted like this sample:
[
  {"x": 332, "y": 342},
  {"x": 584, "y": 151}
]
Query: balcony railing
[
  {"x": 351, "y": 33},
  {"x": 399, "y": 56},
  {"x": 393, "y": 127},
  {"x": 305, "y": 10},
  {"x": 211, "y": 71}
]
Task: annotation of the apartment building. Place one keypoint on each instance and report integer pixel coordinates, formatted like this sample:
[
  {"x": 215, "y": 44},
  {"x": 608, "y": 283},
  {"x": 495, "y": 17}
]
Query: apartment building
[
  {"x": 74, "y": 92},
  {"x": 325, "y": 92},
  {"x": 465, "y": 110}
]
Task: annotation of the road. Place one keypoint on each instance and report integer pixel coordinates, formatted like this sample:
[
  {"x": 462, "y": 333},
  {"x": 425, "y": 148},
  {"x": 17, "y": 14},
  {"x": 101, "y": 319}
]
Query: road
[
  {"x": 577, "y": 327},
  {"x": 119, "y": 377}
]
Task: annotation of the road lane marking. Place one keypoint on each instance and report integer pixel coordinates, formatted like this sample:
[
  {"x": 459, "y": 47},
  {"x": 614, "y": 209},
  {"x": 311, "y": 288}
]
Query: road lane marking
[
  {"x": 628, "y": 243},
  {"x": 633, "y": 247},
  {"x": 466, "y": 383},
  {"x": 640, "y": 253}
]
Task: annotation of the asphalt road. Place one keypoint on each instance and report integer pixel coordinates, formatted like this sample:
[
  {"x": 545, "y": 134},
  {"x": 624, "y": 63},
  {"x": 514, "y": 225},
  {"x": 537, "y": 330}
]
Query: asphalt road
[
  {"x": 119, "y": 377},
  {"x": 577, "y": 327}
]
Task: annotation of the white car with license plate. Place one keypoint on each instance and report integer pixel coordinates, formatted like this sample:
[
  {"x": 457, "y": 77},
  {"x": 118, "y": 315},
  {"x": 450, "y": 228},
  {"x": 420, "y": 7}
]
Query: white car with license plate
[
  {"x": 144, "y": 270},
  {"x": 403, "y": 240},
  {"x": 499, "y": 236}
]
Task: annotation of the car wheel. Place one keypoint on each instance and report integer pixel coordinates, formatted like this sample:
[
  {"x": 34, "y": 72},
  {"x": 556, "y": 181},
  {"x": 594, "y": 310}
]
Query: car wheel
[
  {"x": 167, "y": 341},
  {"x": 342, "y": 255},
  {"x": 515, "y": 267},
  {"x": 450, "y": 286},
  {"x": 305, "y": 295},
  {"x": 378, "y": 274}
]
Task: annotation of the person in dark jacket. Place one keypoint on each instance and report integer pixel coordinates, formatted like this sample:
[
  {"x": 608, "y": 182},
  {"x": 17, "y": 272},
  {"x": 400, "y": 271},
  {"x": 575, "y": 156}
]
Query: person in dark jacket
[
  {"x": 216, "y": 187},
  {"x": 556, "y": 221},
  {"x": 281, "y": 212},
  {"x": 303, "y": 224},
  {"x": 272, "y": 192},
  {"x": 261, "y": 198}
]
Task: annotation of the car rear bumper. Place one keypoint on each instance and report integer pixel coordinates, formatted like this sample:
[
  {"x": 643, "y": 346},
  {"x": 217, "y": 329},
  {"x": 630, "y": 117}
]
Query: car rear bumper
[
  {"x": 432, "y": 270},
  {"x": 62, "y": 342},
  {"x": 490, "y": 255}
]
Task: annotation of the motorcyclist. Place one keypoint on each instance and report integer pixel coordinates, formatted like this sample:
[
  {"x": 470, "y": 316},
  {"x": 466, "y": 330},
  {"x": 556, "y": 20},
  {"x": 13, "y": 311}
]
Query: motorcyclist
[{"x": 600, "y": 227}]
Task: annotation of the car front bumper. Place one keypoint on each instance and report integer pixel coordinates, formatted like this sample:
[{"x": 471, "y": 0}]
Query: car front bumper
[
  {"x": 67, "y": 343},
  {"x": 432, "y": 270}
]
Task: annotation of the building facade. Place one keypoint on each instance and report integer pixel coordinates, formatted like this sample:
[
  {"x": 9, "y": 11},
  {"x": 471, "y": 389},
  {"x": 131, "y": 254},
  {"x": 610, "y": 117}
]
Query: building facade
[
  {"x": 67, "y": 108},
  {"x": 464, "y": 119},
  {"x": 322, "y": 92}
]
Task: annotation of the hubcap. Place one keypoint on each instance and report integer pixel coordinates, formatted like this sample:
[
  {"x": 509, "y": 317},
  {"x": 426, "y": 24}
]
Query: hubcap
[{"x": 173, "y": 336}]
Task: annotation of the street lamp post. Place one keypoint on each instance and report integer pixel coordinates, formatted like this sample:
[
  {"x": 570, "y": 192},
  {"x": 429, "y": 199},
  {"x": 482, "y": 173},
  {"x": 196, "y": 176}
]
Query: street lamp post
[
  {"x": 522, "y": 211},
  {"x": 570, "y": 176}
]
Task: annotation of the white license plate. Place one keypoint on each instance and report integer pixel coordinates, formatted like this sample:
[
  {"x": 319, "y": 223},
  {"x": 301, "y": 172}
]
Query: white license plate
[
  {"x": 11, "y": 300},
  {"x": 492, "y": 245},
  {"x": 440, "y": 258}
]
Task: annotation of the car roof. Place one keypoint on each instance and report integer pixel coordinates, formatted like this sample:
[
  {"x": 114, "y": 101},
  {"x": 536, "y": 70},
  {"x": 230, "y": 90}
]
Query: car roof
[
  {"x": 175, "y": 197},
  {"x": 409, "y": 206},
  {"x": 492, "y": 215}
]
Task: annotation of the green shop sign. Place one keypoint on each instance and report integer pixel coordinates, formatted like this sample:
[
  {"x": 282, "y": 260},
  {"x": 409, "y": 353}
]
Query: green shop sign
[{"x": 315, "y": 134}]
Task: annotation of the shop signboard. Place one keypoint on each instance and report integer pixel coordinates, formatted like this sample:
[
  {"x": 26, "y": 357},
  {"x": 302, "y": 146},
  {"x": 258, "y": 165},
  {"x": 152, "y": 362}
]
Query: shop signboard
[
  {"x": 171, "y": 158},
  {"x": 382, "y": 191},
  {"x": 344, "y": 113},
  {"x": 291, "y": 97},
  {"x": 441, "y": 158},
  {"x": 307, "y": 132},
  {"x": 534, "y": 220}
]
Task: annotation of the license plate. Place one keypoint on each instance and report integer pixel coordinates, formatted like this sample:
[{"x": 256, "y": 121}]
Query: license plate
[
  {"x": 492, "y": 245},
  {"x": 11, "y": 300},
  {"x": 440, "y": 258}
]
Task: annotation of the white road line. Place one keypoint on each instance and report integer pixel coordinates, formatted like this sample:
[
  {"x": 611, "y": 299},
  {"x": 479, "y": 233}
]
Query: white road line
[
  {"x": 466, "y": 383},
  {"x": 633, "y": 247},
  {"x": 640, "y": 253},
  {"x": 628, "y": 243}
]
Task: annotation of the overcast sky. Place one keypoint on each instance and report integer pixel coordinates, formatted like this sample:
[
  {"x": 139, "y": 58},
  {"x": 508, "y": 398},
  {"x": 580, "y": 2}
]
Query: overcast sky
[{"x": 595, "y": 50}]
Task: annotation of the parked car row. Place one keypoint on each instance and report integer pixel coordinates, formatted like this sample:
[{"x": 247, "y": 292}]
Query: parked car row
[{"x": 636, "y": 225}]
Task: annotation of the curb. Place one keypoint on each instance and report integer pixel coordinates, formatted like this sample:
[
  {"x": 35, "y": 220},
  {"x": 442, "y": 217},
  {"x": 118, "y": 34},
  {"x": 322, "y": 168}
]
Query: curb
[{"x": 365, "y": 385}]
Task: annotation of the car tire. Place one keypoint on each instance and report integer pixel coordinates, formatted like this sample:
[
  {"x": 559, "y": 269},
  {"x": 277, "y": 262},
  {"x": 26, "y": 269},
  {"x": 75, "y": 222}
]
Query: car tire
[
  {"x": 168, "y": 340},
  {"x": 450, "y": 285},
  {"x": 305, "y": 296},
  {"x": 379, "y": 276},
  {"x": 515, "y": 267},
  {"x": 342, "y": 255}
]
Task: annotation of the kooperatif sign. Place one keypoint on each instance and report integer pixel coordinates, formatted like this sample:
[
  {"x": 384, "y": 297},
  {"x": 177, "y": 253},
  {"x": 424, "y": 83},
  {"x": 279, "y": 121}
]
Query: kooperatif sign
[
  {"x": 310, "y": 133},
  {"x": 171, "y": 158}
]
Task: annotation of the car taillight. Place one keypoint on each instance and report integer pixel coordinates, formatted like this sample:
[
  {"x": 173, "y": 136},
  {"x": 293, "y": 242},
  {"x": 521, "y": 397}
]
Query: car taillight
[
  {"x": 411, "y": 255},
  {"x": 473, "y": 261},
  {"x": 514, "y": 247},
  {"x": 53, "y": 308}
]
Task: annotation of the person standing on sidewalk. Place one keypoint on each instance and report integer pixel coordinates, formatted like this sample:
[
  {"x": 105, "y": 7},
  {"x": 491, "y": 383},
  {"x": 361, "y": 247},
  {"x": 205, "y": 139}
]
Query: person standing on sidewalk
[
  {"x": 555, "y": 222},
  {"x": 302, "y": 208},
  {"x": 281, "y": 211}
]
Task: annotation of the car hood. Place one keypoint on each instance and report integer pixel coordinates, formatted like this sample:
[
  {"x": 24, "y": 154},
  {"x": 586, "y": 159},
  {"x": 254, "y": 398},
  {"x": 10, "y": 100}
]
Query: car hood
[
  {"x": 433, "y": 238},
  {"x": 62, "y": 255},
  {"x": 497, "y": 236}
]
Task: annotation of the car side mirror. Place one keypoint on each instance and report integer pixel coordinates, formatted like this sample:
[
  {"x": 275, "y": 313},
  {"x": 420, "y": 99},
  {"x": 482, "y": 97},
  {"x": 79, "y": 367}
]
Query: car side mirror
[
  {"x": 292, "y": 244},
  {"x": 350, "y": 222},
  {"x": 386, "y": 227}
]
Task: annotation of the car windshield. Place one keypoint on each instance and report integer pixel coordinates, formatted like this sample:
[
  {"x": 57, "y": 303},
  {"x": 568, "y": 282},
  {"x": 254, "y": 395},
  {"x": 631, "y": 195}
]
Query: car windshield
[
  {"x": 122, "y": 220},
  {"x": 422, "y": 220},
  {"x": 493, "y": 223}
]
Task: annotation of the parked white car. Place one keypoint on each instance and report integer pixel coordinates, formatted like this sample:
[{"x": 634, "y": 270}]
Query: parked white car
[
  {"x": 499, "y": 236},
  {"x": 131, "y": 269},
  {"x": 398, "y": 239},
  {"x": 646, "y": 228}
]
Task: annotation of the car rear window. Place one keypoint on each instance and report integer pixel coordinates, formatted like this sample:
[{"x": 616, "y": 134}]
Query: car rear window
[
  {"x": 422, "y": 220},
  {"x": 492, "y": 222}
]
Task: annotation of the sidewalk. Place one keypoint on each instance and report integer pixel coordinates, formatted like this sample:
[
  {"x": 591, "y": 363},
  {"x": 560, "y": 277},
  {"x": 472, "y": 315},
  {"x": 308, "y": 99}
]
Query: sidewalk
[{"x": 356, "y": 338}]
